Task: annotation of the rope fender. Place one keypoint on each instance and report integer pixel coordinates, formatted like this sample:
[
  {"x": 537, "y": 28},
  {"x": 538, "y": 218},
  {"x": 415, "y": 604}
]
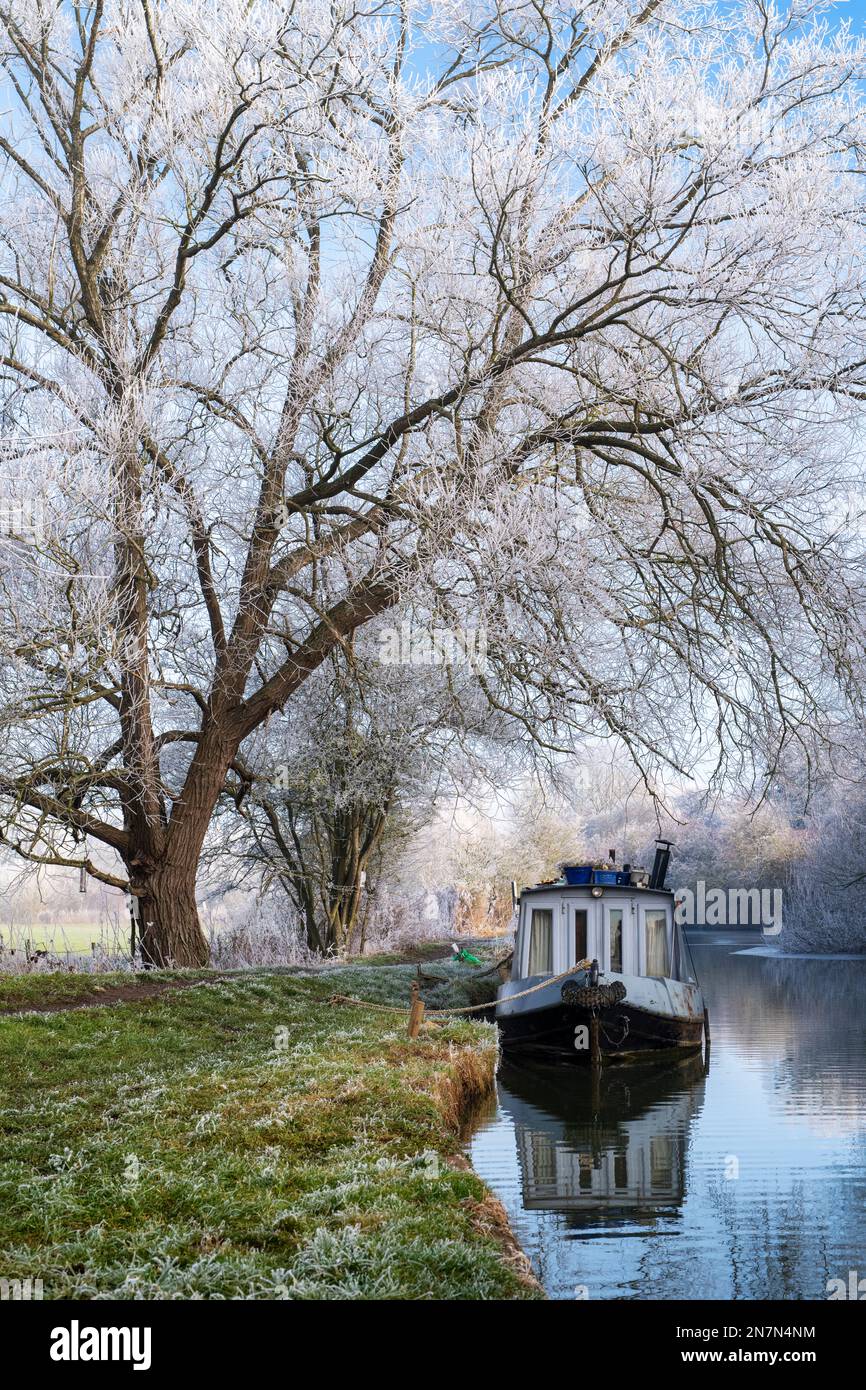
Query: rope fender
[{"x": 593, "y": 996}]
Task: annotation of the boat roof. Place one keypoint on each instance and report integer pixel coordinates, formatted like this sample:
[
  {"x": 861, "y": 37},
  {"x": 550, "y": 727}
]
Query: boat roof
[{"x": 559, "y": 885}]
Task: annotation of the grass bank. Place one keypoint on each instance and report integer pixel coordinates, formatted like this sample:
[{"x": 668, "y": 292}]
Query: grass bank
[{"x": 243, "y": 1138}]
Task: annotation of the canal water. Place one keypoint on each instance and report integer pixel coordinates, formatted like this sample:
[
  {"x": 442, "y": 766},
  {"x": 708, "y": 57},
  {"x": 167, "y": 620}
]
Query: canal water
[{"x": 744, "y": 1182}]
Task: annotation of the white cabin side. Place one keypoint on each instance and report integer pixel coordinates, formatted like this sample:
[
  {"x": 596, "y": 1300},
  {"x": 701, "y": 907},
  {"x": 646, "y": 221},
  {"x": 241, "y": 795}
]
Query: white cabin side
[{"x": 628, "y": 932}]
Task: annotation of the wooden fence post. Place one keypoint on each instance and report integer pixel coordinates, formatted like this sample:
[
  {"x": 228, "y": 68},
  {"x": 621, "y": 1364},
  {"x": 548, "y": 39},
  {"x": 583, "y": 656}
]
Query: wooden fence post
[{"x": 416, "y": 1012}]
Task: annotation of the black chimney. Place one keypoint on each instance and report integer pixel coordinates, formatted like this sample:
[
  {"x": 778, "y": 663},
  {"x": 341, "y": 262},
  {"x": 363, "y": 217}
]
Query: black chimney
[{"x": 660, "y": 865}]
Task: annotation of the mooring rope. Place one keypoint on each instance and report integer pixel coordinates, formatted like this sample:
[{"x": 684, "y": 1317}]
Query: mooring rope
[{"x": 469, "y": 1008}]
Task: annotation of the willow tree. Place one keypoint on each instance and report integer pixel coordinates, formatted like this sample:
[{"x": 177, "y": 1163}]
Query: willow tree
[
  {"x": 330, "y": 795},
  {"x": 554, "y": 310}
]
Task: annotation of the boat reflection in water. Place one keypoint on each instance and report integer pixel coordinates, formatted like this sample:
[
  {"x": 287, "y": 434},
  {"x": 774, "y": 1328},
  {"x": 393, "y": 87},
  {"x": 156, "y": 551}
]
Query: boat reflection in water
[
  {"x": 749, "y": 1185},
  {"x": 614, "y": 1143}
]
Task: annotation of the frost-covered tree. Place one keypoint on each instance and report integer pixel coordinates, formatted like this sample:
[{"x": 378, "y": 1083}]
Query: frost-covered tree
[
  {"x": 552, "y": 310},
  {"x": 328, "y": 797},
  {"x": 824, "y": 906}
]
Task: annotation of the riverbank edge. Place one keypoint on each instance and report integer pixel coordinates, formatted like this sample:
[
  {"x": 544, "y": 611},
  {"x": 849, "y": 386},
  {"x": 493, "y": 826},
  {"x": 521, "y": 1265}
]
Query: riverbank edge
[
  {"x": 453, "y": 1063},
  {"x": 460, "y": 1099}
]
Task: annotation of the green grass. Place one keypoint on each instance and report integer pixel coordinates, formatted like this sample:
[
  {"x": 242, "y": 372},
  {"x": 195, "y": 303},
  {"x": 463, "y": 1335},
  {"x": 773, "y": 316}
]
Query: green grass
[{"x": 245, "y": 1139}]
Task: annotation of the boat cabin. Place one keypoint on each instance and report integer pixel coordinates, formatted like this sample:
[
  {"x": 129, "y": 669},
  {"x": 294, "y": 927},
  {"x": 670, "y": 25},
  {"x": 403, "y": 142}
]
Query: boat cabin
[
  {"x": 601, "y": 946},
  {"x": 629, "y": 930}
]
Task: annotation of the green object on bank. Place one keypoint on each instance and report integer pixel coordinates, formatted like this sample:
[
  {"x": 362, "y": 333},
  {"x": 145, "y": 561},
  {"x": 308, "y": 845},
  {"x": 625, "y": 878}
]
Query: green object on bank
[{"x": 460, "y": 953}]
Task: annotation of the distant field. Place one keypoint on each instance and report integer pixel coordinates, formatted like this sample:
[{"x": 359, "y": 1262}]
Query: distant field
[{"x": 68, "y": 936}]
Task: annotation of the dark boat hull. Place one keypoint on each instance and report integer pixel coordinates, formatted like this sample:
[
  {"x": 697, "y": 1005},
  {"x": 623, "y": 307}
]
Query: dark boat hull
[{"x": 563, "y": 1033}]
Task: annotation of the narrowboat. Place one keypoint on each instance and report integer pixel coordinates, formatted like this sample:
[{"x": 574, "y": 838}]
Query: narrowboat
[{"x": 601, "y": 969}]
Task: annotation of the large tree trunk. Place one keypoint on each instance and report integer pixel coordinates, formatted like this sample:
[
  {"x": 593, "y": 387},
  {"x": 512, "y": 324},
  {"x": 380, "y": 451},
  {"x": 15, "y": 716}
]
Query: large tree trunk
[
  {"x": 169, "y": 929},
  {"x": 163, "y": 871}
]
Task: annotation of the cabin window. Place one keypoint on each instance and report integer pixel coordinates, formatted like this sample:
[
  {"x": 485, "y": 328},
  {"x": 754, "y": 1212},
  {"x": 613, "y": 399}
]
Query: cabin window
[
  {"x": 543, "y": 1152},
  {"x": 541, "y": 942},
  {"x": 614, "y": 918},
  {"x": 662, "y": 1162},
  {"x": 657, "y": 962},
  {"x": 580, "y": 946}
]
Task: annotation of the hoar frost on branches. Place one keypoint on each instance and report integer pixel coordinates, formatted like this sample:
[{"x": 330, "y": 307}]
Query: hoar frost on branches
[
  {"x": 327, "y": 798},
  {"x": 551, "y": 313}
]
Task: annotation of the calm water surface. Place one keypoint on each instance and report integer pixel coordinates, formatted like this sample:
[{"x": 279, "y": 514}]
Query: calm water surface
[{"x": 748, "y": 1182}]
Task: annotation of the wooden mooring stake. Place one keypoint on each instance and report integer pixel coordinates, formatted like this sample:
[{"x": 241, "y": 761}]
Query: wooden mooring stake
[
  {"x": 416, "y": 1012},
  {"x": 594, "y": 1042}
]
